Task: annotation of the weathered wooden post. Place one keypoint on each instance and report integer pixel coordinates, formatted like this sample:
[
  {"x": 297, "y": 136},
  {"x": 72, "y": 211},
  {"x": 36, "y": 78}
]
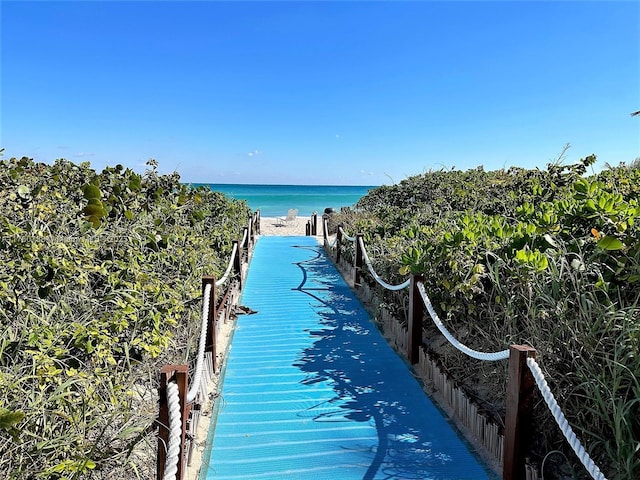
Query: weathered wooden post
[
  {"x": 325, "y": 237},
  {"x": 257, "y": 221},
  {"x": 252, "y": 230},
  {"x": 237, "y": 262},
  {"x": 517, "y": 428},
  {"x": 314, "y": 224},
  {"x": 210, "y": 345},
  {"x": 338, "y": 244},
  {"x": 358, "y": 261},
  {"x": 307, "y": 228},
  {"x": 179, "y": 373},
  {"x": 245, "y": 246},
  {"x": 416, "y": 312}
]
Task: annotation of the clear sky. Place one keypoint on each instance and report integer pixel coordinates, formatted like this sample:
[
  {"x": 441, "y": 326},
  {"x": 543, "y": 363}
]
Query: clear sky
[{"x": 328, "y": 92}]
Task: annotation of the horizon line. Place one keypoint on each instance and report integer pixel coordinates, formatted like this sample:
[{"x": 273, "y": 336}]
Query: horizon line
[{"x": 283, "y": 184}]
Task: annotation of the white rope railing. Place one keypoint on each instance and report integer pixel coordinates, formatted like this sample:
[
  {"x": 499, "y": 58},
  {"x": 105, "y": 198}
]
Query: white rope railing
[
  {"x": 550, "y": 400},
  {"x": 562, "y": 422},
  {"x": 200, "y": 379},
  {"x": 351, "y": 239},
  {"x": 175, "y": 432},
  {"x": 375, "y": 275},
  {"x": 229, "y": 266},
  {"x": 325, "y": 227},
  {"x": 197, "y": 377},
  {"x": 206, "y": 300},
  {"x": 175, "y": 421},
  {"x": 245, "y": 236},
  {"x": 491, "y": 356}
]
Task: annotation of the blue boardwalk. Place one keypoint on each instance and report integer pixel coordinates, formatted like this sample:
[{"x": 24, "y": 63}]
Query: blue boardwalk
[{"x": 313, "y": 391}]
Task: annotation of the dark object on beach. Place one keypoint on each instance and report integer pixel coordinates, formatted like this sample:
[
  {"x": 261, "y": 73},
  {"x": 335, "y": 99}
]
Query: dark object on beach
[{"x": 328, "y": 212}]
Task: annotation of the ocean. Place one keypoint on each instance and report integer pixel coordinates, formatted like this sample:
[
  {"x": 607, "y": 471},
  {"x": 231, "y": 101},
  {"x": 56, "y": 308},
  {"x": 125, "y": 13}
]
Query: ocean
[{"x": 275, "y": 200}]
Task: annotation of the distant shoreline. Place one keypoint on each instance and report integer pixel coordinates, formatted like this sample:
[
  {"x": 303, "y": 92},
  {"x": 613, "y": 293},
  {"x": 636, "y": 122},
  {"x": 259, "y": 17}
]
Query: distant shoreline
[
  {"x": 275, "y": 200},
  {"x": 198, "y": 184}
]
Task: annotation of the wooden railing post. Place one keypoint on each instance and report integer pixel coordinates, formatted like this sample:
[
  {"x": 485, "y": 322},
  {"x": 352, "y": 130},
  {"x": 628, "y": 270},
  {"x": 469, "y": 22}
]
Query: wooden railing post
[
  {"x": 338, "y": 243},
  {"x": 307, "y": 228},
  {"x": 245, "y": 246},
  {"x": 237, "y": 262},
  {"x": 210, "y": 345},
  {"x": 251, "y": 230},
  {"x": 180, "y": 374},
  {"x": 314, "y": 224},
  {"x": 325, "y": 234},
  {"x": 257, "y": 221},
  {"x": 358, "y": 263},
  {"x": 416, "y": 312},
  {"x": 517, "y": 428}
]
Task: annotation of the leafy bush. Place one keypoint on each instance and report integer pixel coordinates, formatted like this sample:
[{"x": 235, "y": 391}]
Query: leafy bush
[
  {"x": 547, "y": 258},
  {"x": 100, "y": 279}
]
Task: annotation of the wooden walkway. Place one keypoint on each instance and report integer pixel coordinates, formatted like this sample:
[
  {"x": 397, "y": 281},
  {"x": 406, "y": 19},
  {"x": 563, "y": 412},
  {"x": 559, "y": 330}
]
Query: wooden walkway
[{"x": 311, "y": 390}]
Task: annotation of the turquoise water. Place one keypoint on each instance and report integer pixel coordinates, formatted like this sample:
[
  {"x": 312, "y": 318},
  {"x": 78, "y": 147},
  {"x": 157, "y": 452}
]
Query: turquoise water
[{"x": 275, "y": 200}]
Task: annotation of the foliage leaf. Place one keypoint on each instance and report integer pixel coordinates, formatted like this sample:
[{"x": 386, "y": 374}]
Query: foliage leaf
[{"x": 610, "y": 243}]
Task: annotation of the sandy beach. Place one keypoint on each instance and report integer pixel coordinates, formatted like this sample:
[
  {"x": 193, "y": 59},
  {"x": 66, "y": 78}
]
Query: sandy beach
[{"x": 271, "y": 226}]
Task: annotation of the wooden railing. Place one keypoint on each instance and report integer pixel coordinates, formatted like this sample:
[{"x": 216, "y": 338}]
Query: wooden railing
[
  {"x": 509, "y": 447},
  {"x": 311, "y": 227},
  {"x": 220, "y": 311}
]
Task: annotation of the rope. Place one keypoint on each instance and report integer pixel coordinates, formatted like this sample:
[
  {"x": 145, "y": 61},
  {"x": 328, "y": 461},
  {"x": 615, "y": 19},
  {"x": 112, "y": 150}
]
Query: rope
[
  {"x": 325, "y": 228},
  {"x": 244, "y": 238},
  {"x": 175, "y": 432},
  {"x": 226, "y": 273},
  {"x": 559, "y": 417},
  {"x": 351, "y": 239},
  {"x": 493, "y": 356},
  {"x": 375, "y": 275},
  {"x": 562, "y": 422},
  {"x": 175, "y": 422},
  {"x": 197, "y": 378}
]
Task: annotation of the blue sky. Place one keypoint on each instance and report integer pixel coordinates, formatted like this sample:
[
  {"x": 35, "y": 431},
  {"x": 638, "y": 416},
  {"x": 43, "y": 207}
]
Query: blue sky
[{"x": 329, "y": 92}]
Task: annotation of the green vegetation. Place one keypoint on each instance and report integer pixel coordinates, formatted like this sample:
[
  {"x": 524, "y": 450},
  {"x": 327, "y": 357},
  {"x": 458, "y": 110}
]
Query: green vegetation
[
  {"x": 546, "y": 258},
  {"x": 100, "y": 285}
]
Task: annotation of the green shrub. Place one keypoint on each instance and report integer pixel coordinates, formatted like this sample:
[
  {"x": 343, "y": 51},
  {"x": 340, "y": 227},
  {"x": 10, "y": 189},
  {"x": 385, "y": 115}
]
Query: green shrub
[
  {"x": 547, "y": 258},
  {"x": 100, "y": 281}
]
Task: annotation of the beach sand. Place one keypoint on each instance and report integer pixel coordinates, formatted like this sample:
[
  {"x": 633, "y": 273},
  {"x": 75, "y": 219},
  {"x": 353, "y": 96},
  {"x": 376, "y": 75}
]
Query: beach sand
[{"x": 270, "y": 226}]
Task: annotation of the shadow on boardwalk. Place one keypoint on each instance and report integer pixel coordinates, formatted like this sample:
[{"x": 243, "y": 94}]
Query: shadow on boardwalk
[{"x": 372, "y": 385}]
